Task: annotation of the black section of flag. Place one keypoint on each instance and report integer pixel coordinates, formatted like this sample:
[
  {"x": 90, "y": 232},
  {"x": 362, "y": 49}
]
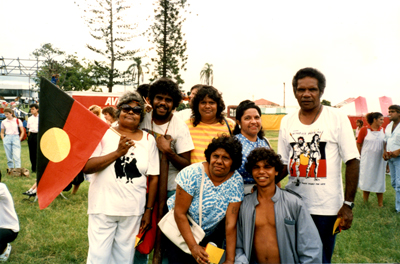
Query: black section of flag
[{"x": 54, "y": 109}]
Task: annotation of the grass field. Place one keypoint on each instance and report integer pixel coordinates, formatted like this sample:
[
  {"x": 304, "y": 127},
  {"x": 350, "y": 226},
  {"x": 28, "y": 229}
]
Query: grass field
[{"x": 58, "y": 234}]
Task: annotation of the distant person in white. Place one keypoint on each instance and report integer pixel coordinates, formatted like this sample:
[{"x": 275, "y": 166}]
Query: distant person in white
[
  {"x": 33, "y": 128},
  {"x": 185, "y": 114}
]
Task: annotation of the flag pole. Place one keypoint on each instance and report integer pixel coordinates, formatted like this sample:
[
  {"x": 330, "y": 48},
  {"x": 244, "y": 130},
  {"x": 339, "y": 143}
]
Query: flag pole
[{"x": 115, "y": 131}]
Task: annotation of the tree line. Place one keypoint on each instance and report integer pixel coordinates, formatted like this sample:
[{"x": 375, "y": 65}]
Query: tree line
[{"x": 105, "y": 20}]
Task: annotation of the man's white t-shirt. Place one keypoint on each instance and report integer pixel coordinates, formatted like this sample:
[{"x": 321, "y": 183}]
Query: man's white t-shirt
[
  {"x": 330, "y": 140},
  {"x": 33, "y": 124},
  {"x": 184, "y": 114},
  {"x": 120, "y": 189},
  {"x": 181, "y": 140}
]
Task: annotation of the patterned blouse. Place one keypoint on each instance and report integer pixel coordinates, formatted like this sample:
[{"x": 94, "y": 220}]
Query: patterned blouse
[
  {"x": 215, "y": 198},
  {"x": 247, "y": 147}
]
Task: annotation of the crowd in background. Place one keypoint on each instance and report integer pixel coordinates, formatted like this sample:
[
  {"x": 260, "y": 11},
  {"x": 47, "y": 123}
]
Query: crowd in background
[{"x": 202, "y": 166}]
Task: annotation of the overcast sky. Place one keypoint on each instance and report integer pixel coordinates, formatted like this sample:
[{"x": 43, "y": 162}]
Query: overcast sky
[{"x": 254, "y": 45}]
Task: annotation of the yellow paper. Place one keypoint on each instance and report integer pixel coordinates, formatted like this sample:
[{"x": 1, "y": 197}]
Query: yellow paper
[
  {"x": 137, "y": 240},
  {"x": 335, "y": 226},
  {"x": 214, "y": 253}
]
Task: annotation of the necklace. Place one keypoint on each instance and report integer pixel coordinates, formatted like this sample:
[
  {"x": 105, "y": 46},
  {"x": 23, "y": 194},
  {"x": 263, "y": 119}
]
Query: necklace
[
  {"x": 319, "y": 109},
  {"x": 320, "y": 106},
  {"x": 166, "y": 130}
]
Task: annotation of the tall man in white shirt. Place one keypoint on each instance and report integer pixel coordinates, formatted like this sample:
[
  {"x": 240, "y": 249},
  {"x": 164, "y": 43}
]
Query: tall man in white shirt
[
  {"x": 391, "y": 150},
  {"x": 321, "y": 188},
  {"x": 33, "y": 127}
]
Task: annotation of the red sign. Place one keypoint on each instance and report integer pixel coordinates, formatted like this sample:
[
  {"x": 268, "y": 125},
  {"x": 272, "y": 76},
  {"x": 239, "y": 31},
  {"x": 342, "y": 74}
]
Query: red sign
[{"x": 100, "y": 100}]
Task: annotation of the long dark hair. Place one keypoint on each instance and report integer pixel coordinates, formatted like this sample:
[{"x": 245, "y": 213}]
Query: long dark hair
[
  {"x": 242, "y": 107},
  {"x": 213, "y": 94}
]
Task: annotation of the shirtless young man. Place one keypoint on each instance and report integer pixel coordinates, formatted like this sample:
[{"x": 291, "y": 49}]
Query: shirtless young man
[{"x": 274, "y": 226}]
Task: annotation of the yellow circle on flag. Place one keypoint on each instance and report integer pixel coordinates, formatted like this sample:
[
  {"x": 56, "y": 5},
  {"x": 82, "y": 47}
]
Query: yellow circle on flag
[
  {"x": 303, "y": 159},
  {"x": 55, "y": 144}
]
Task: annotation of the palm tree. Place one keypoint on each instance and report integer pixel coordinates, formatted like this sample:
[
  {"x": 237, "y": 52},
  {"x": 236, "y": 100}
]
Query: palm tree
[
  {"x": 207, "y": 74},
  {"x": 137, "y": 70}
]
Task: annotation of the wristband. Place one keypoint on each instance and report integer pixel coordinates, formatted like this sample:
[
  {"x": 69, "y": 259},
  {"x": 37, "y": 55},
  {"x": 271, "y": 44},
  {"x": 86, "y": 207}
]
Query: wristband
[{"x": 150, "y": 208}]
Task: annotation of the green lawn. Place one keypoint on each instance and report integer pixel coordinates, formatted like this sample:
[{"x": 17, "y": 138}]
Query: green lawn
[{"x": 58, "y": 234}]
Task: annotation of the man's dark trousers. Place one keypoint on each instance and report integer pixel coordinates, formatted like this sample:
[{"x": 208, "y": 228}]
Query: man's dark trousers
[{"x": 32, "y": 143}]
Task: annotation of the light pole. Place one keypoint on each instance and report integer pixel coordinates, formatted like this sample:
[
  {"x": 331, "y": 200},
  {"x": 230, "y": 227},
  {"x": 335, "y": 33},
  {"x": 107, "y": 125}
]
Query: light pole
[{"x": 284, "y": 95}]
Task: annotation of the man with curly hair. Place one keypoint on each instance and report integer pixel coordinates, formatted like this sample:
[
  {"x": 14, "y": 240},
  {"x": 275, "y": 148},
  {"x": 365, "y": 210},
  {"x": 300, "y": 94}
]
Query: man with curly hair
[
  {"x": 274, "y": 225},
  {"x": 171, "y": 133}
]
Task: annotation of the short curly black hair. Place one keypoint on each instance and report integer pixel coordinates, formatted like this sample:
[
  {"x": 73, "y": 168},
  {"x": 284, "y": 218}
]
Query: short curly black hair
[
  {"x": 231, "y": 145},
  {"x": 165, "y": 86},
  {"x": 309, "y": 72},
  {"x": 213, "y": 94},
  {"x": 268, "y": 155},
  {"x": 143, "y": 90},
  {"x": 395, "y": 107}
]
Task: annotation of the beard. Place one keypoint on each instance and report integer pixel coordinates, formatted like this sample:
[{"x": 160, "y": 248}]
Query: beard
[{"x": 161, "y": 117}]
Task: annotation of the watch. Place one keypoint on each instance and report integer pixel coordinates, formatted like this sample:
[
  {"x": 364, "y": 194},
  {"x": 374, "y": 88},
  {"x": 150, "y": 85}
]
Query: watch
[{"x": 350, "y": 204}]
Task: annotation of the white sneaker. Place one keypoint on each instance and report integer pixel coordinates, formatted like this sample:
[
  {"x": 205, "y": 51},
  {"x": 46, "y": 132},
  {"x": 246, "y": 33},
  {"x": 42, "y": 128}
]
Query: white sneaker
[{"x": 6, "y": 254}]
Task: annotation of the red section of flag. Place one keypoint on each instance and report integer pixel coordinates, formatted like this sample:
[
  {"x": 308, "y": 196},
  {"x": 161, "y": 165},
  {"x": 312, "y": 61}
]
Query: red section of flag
[
  {"x": 85, "y": 130},
  {"x": 303, "y": 170}
]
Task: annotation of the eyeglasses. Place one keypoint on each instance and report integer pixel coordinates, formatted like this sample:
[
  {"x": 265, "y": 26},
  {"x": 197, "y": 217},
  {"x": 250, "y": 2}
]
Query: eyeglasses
[{"x": 127, "y": 108}]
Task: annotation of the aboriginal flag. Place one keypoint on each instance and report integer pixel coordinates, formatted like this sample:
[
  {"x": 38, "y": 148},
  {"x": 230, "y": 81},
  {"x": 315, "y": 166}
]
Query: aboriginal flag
[{"x": 68, "y": 135}]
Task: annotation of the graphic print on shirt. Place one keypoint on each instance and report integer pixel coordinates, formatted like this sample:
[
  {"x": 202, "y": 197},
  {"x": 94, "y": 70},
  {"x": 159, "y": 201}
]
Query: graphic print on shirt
[
  {"x": 308, "y": 159},
  {"x": 125, "y": 166}
]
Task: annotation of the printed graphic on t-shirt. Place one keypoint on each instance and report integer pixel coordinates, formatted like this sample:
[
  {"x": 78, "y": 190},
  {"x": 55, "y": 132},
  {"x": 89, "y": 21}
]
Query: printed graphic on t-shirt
[
  {"x": 125, "y": 166},
  {"x": 308, "y": 155}
]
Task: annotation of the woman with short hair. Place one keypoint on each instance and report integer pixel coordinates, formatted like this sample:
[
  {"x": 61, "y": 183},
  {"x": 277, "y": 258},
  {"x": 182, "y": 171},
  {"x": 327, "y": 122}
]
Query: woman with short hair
[
  {"x": 222, "y": 196},
  {"x": 122, "y": 166},
  {"x": 109, "y": 115}
]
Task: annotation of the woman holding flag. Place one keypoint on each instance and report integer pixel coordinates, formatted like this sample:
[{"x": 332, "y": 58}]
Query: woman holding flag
[{"x": 123, "y": 162}]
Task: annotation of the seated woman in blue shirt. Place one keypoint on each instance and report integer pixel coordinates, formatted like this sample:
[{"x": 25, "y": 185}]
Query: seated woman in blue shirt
[{"x": 222, "y": 196}]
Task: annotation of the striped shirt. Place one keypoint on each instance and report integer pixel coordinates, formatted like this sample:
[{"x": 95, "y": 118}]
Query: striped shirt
[{"x": 203, "y": 134}]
